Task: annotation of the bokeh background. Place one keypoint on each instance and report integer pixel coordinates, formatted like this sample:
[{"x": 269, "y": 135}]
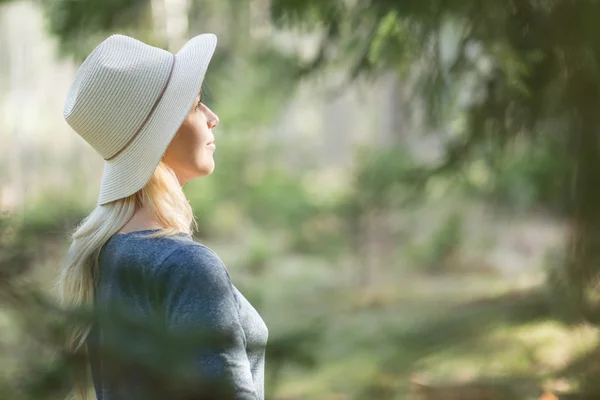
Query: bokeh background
[{"x": 408, "y": 191}]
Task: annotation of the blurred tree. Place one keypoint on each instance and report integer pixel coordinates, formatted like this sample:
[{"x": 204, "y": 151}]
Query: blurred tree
[
  {"x": 79, "y": 24},
  {"x": 525, "y": 69}
]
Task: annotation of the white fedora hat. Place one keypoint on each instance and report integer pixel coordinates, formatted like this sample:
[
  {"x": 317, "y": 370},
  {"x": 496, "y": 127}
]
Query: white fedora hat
[{"x": 128, "y": 99}]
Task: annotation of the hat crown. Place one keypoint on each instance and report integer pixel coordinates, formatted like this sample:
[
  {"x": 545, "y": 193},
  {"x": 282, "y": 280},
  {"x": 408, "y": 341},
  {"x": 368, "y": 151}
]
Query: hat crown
[{"x": 115, "y": 90}]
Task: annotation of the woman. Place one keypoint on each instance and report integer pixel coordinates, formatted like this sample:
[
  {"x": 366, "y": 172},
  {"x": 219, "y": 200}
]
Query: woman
[{"x": 155, "y": 291}]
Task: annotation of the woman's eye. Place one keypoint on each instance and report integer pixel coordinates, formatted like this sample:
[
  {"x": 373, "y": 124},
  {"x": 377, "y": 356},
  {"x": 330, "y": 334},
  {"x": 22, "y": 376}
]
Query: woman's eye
[{"x": 199, "y": 105}]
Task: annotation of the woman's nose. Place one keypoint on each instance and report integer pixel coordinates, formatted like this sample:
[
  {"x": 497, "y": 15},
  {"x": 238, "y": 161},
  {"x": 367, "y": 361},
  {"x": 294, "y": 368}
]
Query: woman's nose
[{"x": 211, "y": 118}]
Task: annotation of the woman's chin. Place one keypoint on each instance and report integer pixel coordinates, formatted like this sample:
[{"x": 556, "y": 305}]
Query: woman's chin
[{"x": 206, "y": 168}]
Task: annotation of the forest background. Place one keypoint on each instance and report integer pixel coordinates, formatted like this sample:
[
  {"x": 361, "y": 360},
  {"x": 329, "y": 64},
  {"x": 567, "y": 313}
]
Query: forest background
[{"x": 406, "y": 190}]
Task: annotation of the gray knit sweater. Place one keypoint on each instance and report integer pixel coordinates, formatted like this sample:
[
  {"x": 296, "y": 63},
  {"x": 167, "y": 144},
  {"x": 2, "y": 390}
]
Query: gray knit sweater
[{"x": 182, "y": 287}]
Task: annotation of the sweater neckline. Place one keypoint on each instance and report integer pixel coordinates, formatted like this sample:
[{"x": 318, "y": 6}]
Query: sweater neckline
[{"x": 145, "y": 231}]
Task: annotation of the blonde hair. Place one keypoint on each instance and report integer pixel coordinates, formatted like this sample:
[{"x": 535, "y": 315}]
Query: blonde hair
[{"x": 163, "y": 197}]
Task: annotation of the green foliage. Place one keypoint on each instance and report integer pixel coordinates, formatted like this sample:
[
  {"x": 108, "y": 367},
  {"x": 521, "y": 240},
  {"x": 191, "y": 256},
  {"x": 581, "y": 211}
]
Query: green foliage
[
  {"x": 66, "y": 211},
  {"x": 515, "y": 75},
  {"x": 287, "y": 11},
  {"x": 534, "y": 177},
  {"x": 392, "y": 45},
  {"x": 277, "y": 199},
  {"x": 249, "y": 91},
  {"x": 445, "y": 241},
  {"x": 294, "y": 348},
  {"x": 505, "y": 54},
  {"x": 78, "y": 23},
  {"x": 261, "y": 251},
  {"x": 379, "y": 180},
  {"x": 204, "y": 201},
  {"x": 435, "y": 255},
  {"x": 70, "y": 18}
]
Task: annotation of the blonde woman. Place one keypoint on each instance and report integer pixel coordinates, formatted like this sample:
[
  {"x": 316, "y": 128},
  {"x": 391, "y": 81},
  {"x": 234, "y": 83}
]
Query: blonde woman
[{"x": 133, "y": 259}]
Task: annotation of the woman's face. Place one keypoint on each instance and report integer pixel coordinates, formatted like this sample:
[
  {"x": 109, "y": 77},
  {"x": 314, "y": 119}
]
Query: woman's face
[{"x": 190, "y": 153}]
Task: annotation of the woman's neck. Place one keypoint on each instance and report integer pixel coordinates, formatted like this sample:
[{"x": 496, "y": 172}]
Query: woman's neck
[{"x": 141, "y": 220}]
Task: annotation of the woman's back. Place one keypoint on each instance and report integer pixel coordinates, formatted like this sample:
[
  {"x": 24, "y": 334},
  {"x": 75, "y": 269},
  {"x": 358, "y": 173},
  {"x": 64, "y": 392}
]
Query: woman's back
[{"x": 172, "y": 324}]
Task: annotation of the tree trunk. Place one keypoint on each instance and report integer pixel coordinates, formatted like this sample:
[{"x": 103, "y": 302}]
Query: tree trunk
[
  {"x": 240, "y": 24},
  {"x": 583, "y": 257},
  {"x": 170, "y": 22}
]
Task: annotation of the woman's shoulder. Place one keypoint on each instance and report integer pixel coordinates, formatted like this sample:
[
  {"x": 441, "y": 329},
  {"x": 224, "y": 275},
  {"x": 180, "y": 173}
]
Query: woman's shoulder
[
  {"x": 191, "y": 260},
  {"x": 189, "y": 252},
  {"x": 178, "y": 254}
]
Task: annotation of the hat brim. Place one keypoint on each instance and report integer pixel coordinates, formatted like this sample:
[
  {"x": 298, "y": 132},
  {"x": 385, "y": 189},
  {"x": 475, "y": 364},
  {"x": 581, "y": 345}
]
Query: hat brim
[{"x": 132, "y": 168}]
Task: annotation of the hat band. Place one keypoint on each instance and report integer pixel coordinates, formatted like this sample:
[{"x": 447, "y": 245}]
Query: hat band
[{"x": 139, "y": 129}]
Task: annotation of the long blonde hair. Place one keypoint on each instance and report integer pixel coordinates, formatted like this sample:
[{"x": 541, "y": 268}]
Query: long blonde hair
[{"x": 163, "y": 197}]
